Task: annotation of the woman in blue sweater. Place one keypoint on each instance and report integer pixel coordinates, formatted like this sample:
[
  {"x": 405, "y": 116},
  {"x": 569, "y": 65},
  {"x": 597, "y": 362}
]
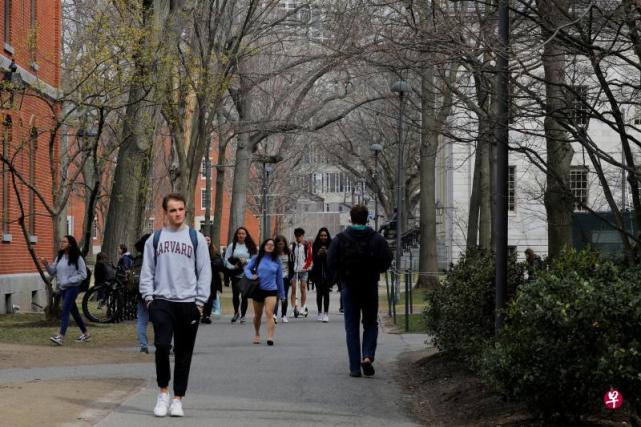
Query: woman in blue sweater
[{"x": 266, "y": 267}]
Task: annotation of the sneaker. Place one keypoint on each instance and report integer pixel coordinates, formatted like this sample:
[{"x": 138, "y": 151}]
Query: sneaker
[
  {"x": 144, "y": 349},
  {"x": 320, "y": 317},
  {"x": 206, "y": 320},
  {"x": 325, "y": 318},
  {"x": 57, "y": 339},
  {"x": 242, "y": 319},
  {"x": 275, "y": 319},
  {"x": 162, "y": 404},
  {"x": 284, "y": 319},
  {"x": 355, "y": 374},
  {"x": 83, "y": 338},
  {"x": 176, "y": 408},
  {"x": 236, "y": 316},
  {"x": 305, "y": 312},
  {"x": 296, "y": 312}
]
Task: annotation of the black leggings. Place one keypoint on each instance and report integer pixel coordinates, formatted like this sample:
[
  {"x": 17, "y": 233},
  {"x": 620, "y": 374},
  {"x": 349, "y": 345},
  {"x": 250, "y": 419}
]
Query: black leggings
[
  {"x": 283, "y": 305},
  {"x": 237, "y": 298},
  {"x": 322, "y": 297}
]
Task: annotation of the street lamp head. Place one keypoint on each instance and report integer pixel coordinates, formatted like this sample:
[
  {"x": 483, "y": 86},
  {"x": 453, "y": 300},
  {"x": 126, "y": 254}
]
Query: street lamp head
[
  {"x": 376, "y": 148},
  {"x": 400, "y": 87}
]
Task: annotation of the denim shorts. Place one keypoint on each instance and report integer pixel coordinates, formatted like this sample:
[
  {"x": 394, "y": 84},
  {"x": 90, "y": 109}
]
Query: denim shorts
[{"x": 301, "y": 276}]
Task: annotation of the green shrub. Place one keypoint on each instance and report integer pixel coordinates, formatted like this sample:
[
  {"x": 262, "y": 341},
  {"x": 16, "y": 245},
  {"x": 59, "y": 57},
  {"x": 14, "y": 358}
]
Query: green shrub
[
  {"x": 460, "y": 313},
  {"x": 570, "y": 336}
]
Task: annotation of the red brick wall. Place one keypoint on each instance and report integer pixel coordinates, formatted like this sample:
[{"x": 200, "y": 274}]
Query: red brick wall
[{"x": 30, "y": 111}]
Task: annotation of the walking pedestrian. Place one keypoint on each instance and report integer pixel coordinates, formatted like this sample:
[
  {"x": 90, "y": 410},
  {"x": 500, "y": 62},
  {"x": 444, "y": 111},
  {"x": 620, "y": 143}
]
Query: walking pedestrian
[
  {"x": 358, "y": 256},
  {"x": 534, "y": 264},
  {"x": 283, "y": 255},
  {"x": 142, "y": 314},
  {"x": 217, "y": 265},
  {"x": 70, "y": 271},
  {"x": 300, "y": 261},
  {"x": 267, "y": 269},
  {"x": 320, "y": 274},
  {"x": 236, "y": 257},
  {"x": 125, "y": 259},
  {"x": 174, "y": 282}
]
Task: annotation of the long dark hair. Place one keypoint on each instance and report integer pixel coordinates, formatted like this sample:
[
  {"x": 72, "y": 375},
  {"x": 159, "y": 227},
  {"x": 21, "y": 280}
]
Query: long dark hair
[
  {"x": 277, "y": 240},
  {"x": 249, "y": 242},
  {"x": 317, "y": 241},
  {"x": 262, "y": 253},
  {"x": 73, "y": 253}
]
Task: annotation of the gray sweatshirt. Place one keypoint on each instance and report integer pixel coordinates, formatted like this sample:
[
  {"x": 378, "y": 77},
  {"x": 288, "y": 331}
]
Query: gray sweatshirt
[
  {"x": 170, "y": 274},
  {"x": 67, "y": 275},
  {"x": 240, "y": 251}
]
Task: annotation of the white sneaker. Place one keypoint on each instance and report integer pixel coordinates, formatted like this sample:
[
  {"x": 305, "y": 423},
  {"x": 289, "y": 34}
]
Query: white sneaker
[
  {"x": 162, "y": 404},
  {"x": 325, "y": 318},
  {"x": 320, "y": 317},
  {"x": 176, "y": 408},
  {"x": 275, "y": 319},
  {"x": 304, "y": 311},
  {"x": 242, "y": 319},
  {"x": 284, "y": 319},
  {"x": 57, "y": 339}
]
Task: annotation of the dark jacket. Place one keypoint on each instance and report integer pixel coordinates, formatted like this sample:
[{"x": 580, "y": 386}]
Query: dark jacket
[
  {"x": 381, "y": 253},
  {"x": 217, "y": 267},
  {"x": 102, "y": 273},
  {"x": 319, "y": 272}
]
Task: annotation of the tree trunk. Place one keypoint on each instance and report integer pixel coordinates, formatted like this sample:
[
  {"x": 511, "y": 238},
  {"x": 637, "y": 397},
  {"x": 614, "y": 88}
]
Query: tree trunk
[
  {"x": 558, "y": 200},
  {"x": 475, "y": 203},
  {"x": 485, "y": 221},
  {"x": 220, "y": 184},
  {"x": 240, "y": 184},
  {"x": 428, "y": 261}
]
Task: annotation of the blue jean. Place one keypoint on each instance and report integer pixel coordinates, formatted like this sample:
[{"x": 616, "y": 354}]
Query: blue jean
[
  {"x": 69, "y": 296},
  {"x": 141, "y": 323},
  {"x": 360, "y": 300}
]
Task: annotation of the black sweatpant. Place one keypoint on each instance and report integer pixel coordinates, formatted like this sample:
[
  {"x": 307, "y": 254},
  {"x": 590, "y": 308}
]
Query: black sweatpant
[
  {"x": 322, "y": 297},
  {"x": 237, "y": 298},
  {"x": 180, "y": 321}
]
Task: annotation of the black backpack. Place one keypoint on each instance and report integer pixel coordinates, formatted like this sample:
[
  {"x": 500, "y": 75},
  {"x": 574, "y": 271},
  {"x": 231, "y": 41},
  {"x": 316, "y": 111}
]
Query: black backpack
[
  {"x": 358, "y": 259},
  {"x": 132, "y": 275},
  {"x": 84, "y": 285}
]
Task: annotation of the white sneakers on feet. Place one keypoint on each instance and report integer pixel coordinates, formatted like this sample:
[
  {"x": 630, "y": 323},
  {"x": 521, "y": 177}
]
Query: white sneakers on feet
[
  {"x": 284, "y": 319},
  {"x": 321, "y": 317},
  {"x": 57, "y": 339},
  {"x": 162, "y": 404},
  {"x": 176, "y": 408},
  {"x": 325, "y": 318}
]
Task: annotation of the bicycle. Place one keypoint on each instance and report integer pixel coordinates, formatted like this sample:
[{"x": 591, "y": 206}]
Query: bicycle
[{"x": 111, "y": 302}]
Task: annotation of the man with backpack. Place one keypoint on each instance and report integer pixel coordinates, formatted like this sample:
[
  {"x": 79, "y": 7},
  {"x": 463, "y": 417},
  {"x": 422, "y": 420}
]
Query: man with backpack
[
  {"x": 358, "y": 256},
  {"x": 174, "y": 283},
  {"x": 300, "y": 262}
]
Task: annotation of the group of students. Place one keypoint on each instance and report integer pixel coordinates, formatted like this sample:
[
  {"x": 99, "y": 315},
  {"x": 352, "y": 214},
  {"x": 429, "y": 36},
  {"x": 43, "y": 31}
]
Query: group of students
[
  {"x": 180, "y": 278},
  {"x": 300, "y": 263}
]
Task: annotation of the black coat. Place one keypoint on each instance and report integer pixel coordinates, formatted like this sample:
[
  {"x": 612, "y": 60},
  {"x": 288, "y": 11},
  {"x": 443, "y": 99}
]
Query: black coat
[{"x": 381, "y": 253}]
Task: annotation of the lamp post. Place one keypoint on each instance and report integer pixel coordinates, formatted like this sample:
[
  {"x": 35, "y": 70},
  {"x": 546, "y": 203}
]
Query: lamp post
[
  {"x": 267, "y": 170},
  {"x": 501, "y": 135},
  {"x": 400, "y": 87},
  {"x": 376, "y": 148},
  {"x": 207, "y": 201}
]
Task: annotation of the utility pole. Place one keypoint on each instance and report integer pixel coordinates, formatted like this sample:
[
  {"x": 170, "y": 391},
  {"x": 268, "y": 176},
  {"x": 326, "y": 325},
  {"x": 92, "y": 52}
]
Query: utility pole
[
  {"x": 502, "y": 135},
  {"x": 207, "y": 200}
]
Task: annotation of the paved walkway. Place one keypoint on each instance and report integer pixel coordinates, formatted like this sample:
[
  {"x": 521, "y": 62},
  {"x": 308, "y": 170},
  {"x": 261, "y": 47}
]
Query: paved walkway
[{"x": 302, "y": 380}]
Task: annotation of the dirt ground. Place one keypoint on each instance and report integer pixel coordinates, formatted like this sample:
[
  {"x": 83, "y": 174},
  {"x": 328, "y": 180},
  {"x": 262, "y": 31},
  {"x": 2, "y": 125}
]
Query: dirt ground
[
  {"x": 31, "y": 356},
  {"x": 442, "y": 393},
  {"x": 63, "y": 403}
]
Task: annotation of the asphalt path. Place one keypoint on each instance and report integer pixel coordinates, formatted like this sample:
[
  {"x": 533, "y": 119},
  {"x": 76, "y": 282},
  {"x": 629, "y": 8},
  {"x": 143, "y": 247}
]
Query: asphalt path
[{"x": 302, "y": 380}]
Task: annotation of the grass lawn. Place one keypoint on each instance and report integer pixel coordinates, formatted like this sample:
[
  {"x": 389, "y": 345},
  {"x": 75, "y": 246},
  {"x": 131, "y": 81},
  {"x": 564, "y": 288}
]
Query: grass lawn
[{"x": 417, "y": 323}]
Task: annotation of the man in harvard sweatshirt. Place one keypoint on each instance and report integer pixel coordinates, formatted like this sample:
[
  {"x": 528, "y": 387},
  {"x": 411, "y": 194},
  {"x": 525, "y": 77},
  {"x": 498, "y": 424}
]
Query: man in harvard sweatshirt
[{"x": 174, "y": 283}]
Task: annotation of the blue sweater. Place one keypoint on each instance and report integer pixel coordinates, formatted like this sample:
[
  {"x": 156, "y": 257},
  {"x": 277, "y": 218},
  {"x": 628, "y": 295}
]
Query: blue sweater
[{"x": 270, "y": 274}]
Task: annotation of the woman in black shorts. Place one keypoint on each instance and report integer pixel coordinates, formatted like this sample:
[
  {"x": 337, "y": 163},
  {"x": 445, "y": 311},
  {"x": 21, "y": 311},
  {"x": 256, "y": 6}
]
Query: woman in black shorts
[{"x": 266, "y": 267}]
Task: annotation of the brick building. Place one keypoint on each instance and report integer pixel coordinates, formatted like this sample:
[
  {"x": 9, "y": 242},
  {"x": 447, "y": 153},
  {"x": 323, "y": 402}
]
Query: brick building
[{"x": 30, "y": 74}]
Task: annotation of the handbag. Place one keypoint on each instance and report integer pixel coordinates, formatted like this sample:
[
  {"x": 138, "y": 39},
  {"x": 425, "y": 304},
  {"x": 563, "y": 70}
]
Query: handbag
[{"x": 249, "y": 286}]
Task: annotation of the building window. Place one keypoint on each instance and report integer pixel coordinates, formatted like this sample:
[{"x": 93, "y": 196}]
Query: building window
[
  {"x": 94, "y": 229},
  {"x": 578, "y": 108},
  {"x": 6, "y": 143},
  {"x": 149, "y": 224},
  {"x": 203, "y": 168},
  {"x": 203, "y": 198},
  {"x": 511, "y": 186},
  {"x": 7, "y": 21},
  {"x": 70, "y": 225},
  {"x": 33, "y": 145},
  {"x": 579, "y": 186}
]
